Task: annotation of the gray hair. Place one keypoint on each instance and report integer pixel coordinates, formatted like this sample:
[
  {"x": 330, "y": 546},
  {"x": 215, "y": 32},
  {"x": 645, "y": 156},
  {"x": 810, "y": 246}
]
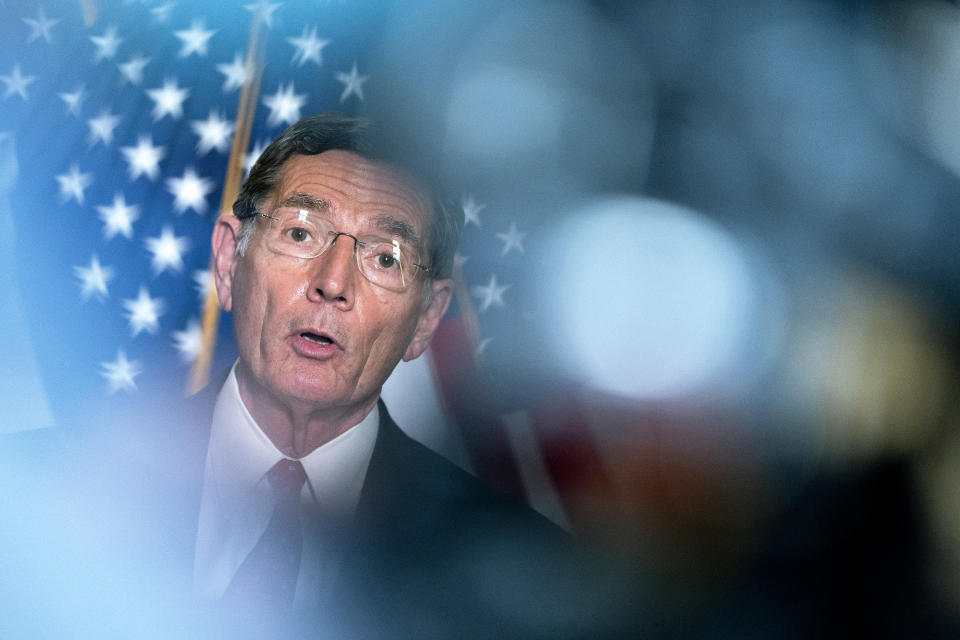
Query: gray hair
[{"x": 246, "y": 232}]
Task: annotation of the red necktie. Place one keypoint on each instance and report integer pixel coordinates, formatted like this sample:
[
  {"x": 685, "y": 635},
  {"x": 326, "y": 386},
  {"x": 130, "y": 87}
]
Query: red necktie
[{"x": 268, "y": 576}]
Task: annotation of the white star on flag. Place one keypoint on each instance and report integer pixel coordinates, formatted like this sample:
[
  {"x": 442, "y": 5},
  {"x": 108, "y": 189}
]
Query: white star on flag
[
  {"x": 143, "y": 158},
  {"x": 490, "y": 294},
  {"x": 195, "y": 39},
  {"x": 168, "y": 100},
  {"x": 308, "y": 47},
  {"x": 250, "y": 158},
  {"x": 471, "y": 211},
  {"x": 94, "y": 279},
  {"x": 107, "y": 44},
  {"x": 234, "y": 73},
  {"x": 284, "y": 105},
  {"x": 101, "y": 128},
  {"x": 74, "y": 100},
  {"x": 40, "y": 27},
  {"x": 512, "y": 239},
  {"x": 189, "y": 341},
  {"x": 17, "y": 83},
  {"x": 352, "y": 83},
  {"x": 190, "y": 191},
  {"x": 144, "y": 312},
  {"x": 72, "y": 184},
  {"x": 265, "y": 10},
  {"x": 167, "y": 251},
  {"x": 161, "y": 14},
  {"x": 202, "y": 283},
  {"x": 214, "y": 133},
  {"x": 118, "y": 217},
  {"x": 133, "y": 69},
  {"x": 120, "y": 373}
]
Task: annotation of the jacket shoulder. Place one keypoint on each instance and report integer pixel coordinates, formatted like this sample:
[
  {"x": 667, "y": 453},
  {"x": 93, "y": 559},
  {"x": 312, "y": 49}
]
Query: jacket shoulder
[{"x": 413, "y": 484}]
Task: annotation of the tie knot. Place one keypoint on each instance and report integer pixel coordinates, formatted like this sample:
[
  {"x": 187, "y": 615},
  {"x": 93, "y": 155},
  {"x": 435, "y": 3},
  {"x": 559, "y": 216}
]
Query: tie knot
[{"x": 286, "y": 479}]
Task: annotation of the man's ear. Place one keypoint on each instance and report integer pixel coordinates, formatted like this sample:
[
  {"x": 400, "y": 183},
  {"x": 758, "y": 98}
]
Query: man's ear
[
  {"x": 226, "y": 234},
  {"x": 429, "y": 318}
]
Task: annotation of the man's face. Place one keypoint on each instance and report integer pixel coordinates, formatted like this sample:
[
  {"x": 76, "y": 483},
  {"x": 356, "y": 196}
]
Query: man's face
[{"x": 316, "y": 331}]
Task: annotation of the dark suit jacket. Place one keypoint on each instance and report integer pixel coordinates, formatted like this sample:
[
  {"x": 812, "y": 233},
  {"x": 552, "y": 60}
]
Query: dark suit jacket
[{"x": 433, "y": 552}]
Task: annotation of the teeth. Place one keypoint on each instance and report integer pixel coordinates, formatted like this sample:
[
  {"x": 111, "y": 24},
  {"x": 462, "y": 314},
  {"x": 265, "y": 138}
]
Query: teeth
[{"x": 312, "y": 337}]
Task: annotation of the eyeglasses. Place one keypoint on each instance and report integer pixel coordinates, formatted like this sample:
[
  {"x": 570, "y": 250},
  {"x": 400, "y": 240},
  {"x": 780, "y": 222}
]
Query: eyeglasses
[{"x": 388, "y": 263}]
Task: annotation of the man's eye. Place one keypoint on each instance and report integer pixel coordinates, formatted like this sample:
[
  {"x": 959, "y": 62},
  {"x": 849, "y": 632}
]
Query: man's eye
[
  {"x": 386, "y": 261},
  {"x": 298, "y": 234}
]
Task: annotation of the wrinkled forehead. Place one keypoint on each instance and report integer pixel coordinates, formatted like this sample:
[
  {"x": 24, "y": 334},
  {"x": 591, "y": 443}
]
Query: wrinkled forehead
[{"x": 353, "y": 191}]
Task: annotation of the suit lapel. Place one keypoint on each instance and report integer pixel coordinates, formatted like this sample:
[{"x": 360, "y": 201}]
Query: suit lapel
[{"x": 391, "y": 482}]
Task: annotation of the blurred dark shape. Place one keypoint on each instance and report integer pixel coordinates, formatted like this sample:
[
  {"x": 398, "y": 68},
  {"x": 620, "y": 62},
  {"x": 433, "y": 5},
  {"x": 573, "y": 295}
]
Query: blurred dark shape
[
  {"x": 522, "y": 101},
  {"x": 821, "y": 133},
  {"x": 846, "y": 559}
]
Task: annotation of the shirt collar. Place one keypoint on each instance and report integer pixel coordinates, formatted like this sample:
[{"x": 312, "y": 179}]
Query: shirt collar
[{"x": 240, "y": 454}]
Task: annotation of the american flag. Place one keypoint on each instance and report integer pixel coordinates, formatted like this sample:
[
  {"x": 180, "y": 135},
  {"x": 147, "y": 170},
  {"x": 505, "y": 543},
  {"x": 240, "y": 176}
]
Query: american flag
[
  {"x": 117, "y": 125},
  {"x": 120, "y": 118}
]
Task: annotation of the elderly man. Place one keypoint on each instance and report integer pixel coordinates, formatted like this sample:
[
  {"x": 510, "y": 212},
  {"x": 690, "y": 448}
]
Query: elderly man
[
  {"x": 336, "y": 265},
  {"x": 283, "y": 497}
]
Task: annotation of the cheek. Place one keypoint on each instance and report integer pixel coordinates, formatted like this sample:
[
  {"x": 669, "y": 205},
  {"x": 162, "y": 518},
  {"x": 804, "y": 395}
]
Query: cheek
[
  {"x": 252, "y": 310},
  {"x": 390, "y": 328},
  {"x": 247, "y": 318},
  {"x": 266, "y": 290}
]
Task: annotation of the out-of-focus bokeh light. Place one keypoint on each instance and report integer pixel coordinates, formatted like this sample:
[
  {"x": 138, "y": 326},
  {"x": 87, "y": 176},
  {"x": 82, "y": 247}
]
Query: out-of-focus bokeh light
[
  {"x": 508, "y": 90},
  {"x": 865, "y": 364},
  {"x": 649, "y": 300},
  {"x": 934, "y": 35},
  {"x": 526, "y": 109}
]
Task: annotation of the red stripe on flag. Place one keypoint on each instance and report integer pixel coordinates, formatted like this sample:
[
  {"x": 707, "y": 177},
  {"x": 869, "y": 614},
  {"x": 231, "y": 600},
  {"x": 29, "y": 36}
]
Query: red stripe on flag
[
  {"x": 574, "y": 463},
  {"x": 471, "y": 405}
]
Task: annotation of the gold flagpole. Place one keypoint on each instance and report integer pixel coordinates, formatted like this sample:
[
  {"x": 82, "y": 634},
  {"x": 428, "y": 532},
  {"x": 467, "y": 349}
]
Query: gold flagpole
[{"x": 246, "y": 108}]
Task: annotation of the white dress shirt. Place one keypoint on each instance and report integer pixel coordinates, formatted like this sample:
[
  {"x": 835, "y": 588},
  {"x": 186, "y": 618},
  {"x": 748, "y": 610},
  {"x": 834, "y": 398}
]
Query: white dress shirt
[{"x": 237, "y": 502}]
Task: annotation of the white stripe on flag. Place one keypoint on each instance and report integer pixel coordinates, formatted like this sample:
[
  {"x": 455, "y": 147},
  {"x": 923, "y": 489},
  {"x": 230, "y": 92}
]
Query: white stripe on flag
[
  {"x": 23, "y": 397},
  {"x": 539, "y": 489}
]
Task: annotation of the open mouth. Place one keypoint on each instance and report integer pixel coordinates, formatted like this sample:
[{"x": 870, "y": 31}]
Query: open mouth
[{"x": 315, "y": 338}]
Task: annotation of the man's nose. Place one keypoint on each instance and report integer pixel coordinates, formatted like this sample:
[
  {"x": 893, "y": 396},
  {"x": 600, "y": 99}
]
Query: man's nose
[{"x": 334, "y": 273}]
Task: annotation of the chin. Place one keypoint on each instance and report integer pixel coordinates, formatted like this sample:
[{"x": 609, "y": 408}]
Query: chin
[{"x": 305, "y": 389}]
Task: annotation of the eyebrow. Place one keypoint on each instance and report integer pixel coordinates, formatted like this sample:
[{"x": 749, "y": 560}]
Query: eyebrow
[
  {"x": 397, "y": 227},
  {"x": 302, "y": 200}
]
